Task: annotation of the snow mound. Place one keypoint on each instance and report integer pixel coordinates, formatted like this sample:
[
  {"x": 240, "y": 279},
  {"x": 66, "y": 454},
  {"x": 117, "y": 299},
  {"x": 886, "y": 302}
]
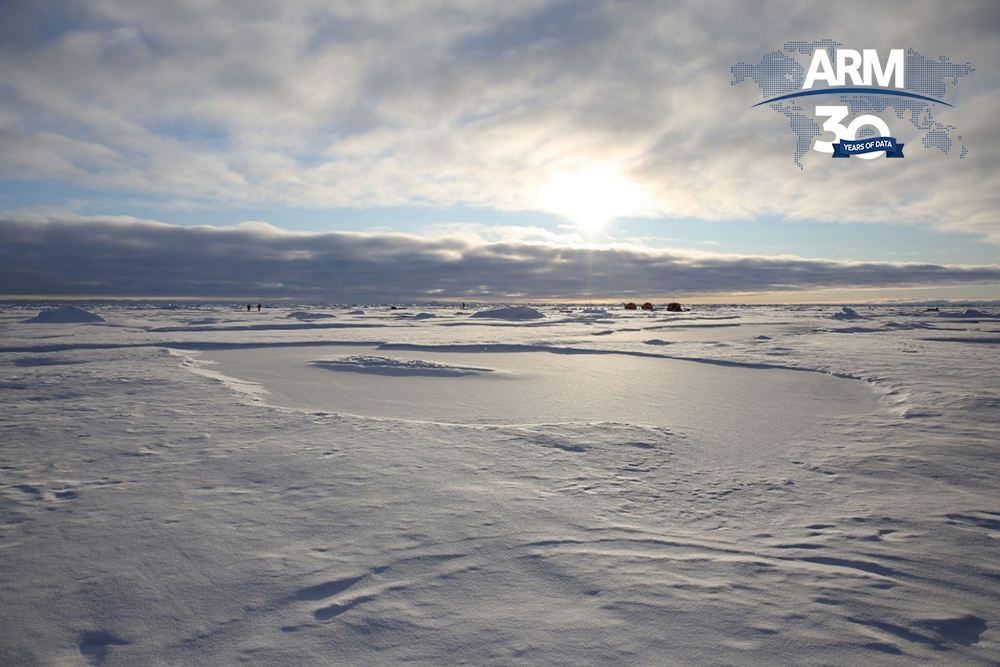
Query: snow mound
[
  {"x": 302, "y": 315},
  {"x": 971, "y": 312},
  {"x": 392, "y": 366},
  {"x": 424, "y": 316},
  {"x": 846, "y": 314},
  {"x": 64, "y": 315},
  {"x": 598, "y": 312},
  {"x": 512, "y": 313},
  {"x": 356, "y": 312}
]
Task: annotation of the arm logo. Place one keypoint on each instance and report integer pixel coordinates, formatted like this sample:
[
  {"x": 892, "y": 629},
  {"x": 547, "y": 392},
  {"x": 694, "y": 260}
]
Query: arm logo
[{"x": 908, "y": 84}]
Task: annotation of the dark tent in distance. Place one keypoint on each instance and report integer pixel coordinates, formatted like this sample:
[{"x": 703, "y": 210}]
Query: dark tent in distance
[
  {"x": 647, "y": 306},
  {"x": 629, "y": 306}
]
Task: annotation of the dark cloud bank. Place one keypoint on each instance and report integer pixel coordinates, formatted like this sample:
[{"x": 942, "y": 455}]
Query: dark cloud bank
[{"x": 112, "y": 258}]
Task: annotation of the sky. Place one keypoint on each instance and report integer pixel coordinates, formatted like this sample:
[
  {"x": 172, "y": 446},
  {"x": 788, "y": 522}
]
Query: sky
[{"x": 522, "y": 151}]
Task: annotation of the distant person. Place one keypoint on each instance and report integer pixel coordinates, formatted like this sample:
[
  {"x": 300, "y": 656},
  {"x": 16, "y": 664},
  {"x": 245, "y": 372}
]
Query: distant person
[
  {"x": 248, "y": 307},
  {"x": 463, "y": 305},
  {"x": 258, "y": 307}
]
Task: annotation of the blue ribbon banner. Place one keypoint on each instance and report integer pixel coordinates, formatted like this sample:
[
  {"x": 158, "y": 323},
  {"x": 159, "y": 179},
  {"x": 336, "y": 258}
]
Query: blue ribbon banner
[{"x": 887, "y": 144}]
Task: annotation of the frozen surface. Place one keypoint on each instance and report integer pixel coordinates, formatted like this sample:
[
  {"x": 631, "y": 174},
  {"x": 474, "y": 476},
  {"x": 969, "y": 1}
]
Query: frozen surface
[
  {"x": 64, "y": 315},
  {"x": 721, "y": 407},
  {"x": 204, "y": 485},
  {"x": 846, "y": 313},
  {"x": 511, "y": 313}
]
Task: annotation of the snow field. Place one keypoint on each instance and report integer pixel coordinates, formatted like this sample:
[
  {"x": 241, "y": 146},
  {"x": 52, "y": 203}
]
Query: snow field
[{"x": 153, "y": 515}]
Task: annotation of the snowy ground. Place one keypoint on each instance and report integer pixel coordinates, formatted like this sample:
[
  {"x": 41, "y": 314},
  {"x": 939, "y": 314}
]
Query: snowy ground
[{"x": 727, "y": 486}]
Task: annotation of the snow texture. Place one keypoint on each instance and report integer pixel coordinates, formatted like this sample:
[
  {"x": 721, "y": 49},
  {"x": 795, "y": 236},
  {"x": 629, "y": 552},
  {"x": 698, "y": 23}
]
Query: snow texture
[
  {"x": 728, "y": 486},
  {"x": 390, "y": 366}
]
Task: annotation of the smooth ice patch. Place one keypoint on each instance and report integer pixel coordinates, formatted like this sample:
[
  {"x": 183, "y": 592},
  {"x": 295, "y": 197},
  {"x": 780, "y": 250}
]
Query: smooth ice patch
[{"x": 732, "y": 411}]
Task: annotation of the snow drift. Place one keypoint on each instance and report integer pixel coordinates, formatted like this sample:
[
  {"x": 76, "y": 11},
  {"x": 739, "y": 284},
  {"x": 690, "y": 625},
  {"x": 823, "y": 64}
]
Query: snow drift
[
  {"x": 846, "y": 313},
  {"x": 512, "y": 313},
  {"x": 64, "y": 315}
]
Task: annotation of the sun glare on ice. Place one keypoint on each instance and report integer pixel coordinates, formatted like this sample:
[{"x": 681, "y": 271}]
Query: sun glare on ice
[{"x": 591, "y": 198}]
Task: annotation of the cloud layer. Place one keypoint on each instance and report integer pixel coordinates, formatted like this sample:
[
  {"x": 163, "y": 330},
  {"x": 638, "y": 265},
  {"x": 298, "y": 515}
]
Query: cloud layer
[
  {"x": 317, "y": 103},
  {"x": 130, "y": 258}
]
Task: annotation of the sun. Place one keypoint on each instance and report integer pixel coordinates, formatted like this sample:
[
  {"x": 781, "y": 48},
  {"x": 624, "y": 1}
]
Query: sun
[{"x": 591, "y": 198}]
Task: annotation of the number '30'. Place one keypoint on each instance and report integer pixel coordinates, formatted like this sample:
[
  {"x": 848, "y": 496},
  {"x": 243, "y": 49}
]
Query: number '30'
[{"x": 848, "y": 133}]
